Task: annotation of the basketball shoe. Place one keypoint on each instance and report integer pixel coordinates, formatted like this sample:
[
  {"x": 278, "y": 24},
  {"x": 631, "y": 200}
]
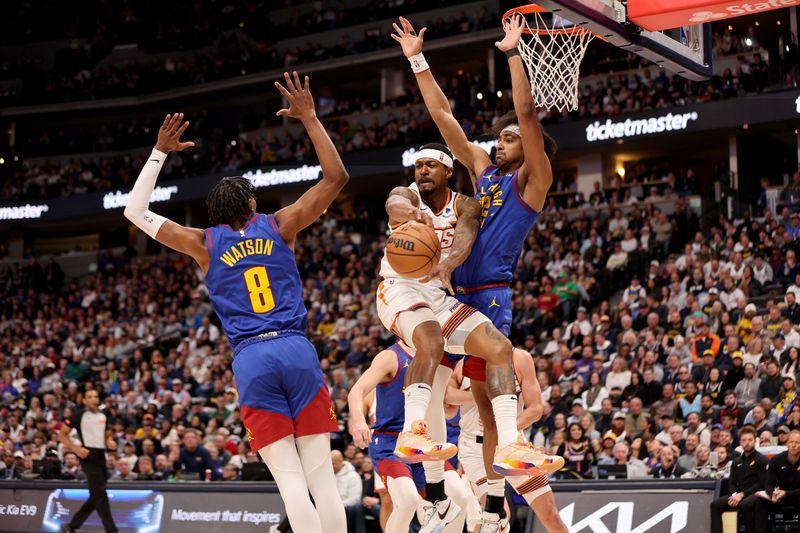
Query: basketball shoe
[
  {"x": 416, "y": 446},
  {"x": 492, "y": 523},
  {"x": 435, "y": 516},
  {"x": 525, "y": 459}
]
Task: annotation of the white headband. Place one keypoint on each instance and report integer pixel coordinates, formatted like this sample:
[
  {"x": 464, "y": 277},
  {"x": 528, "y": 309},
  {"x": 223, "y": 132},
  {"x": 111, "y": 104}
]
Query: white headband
[
  {"x": 436, "y": 155},
  {"x": 511, "y": 128}
]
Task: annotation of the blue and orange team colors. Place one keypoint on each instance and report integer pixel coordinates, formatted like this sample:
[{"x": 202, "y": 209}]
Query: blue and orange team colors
[
  {"x": 255, "y": 289},
  {"x": 389, "y": 417},
  {"x": 483, "y": 281}
]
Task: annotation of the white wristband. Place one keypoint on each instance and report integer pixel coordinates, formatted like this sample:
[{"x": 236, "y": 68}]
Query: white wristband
[{"x": 418, "y": 63}]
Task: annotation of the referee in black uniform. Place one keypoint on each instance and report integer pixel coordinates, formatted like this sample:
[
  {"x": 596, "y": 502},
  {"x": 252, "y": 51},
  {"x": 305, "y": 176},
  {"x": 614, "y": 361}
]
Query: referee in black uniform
[{"x": 90, "y": 424}]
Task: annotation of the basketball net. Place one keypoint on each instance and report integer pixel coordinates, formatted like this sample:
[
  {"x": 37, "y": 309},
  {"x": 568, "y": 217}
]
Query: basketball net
[{"x": 552, "y": 51}]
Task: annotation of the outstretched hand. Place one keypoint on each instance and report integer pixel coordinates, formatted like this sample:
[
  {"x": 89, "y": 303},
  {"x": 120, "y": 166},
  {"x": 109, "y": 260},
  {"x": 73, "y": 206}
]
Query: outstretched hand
[
  {"x": 410, "y": 42},
  {"x": 169, "y": 134},
  {"x": 513, "y": 27},
  {"x": 301, "y": 103},
  {"x": 441, "y": 272}
]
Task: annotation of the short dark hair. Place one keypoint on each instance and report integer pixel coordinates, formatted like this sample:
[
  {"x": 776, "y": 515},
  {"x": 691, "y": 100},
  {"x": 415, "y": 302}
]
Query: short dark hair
[
  {"x": 228, "y": 201},
  {"x": 550, "y": 145},
  {"x": 747, "y": 430}
]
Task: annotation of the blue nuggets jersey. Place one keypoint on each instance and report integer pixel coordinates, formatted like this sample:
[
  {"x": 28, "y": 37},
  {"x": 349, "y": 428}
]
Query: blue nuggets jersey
[
  {"x": 390, "y": 411},
  {"x": 505, "y": 222},
  {"x": 253, "y": 280}
]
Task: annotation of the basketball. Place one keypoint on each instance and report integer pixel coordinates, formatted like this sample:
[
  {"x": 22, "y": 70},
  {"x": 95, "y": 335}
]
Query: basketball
[{"x": 413, "y": 250}]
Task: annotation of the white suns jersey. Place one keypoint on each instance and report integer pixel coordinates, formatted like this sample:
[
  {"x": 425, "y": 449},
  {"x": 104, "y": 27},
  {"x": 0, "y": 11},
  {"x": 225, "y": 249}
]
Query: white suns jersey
[
  {"x": 444, "y": 225},
  {"x": 470, "y": 422}
]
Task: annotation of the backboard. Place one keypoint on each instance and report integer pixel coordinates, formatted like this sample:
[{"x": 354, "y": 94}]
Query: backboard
[{"x": 685, "y": 51}]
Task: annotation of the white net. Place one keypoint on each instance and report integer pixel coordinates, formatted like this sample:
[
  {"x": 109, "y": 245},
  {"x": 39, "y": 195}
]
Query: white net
[{"x": 552, "y": 54}]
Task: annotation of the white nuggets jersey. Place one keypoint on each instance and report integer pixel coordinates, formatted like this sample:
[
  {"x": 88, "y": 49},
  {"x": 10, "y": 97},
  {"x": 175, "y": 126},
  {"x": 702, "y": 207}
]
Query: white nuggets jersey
[{"x": 444, "y": 224}]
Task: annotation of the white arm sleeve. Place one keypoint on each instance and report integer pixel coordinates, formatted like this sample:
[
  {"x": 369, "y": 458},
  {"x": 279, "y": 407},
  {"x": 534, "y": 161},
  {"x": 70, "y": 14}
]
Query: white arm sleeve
[{"x": 139, "y": 199}]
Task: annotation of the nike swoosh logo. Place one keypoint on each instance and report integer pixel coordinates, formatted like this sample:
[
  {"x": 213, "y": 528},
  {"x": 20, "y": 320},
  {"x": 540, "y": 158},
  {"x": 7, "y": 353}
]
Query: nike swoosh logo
[
  {"x": 444, "y": 514},
  {"x": 156, "y": 160}
]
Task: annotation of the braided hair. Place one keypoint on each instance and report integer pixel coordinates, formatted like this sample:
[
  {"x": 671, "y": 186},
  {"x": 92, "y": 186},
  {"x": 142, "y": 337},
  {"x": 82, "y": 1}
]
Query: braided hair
[{"x": 229, "y": 201}]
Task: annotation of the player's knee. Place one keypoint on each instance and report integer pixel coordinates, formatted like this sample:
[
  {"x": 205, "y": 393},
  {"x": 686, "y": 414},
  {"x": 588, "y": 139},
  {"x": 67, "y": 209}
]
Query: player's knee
[
  {"x": 405, "y": 499},
  {"x": 500, "y": 351},
  {"x": 429, "y": 345}
]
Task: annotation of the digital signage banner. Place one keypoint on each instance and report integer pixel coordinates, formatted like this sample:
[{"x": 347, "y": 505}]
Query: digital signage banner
[
  {"x": 641, "y": 511},
  {"x": 143, "y": 511},
  {"x": 777, "y": 107}
]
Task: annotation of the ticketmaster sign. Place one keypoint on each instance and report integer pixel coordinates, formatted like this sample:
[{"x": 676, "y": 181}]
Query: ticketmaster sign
[{"x": 603, "y": 131}]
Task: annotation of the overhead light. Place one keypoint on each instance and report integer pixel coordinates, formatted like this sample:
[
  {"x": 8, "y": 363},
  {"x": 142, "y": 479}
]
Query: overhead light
[
  {"x": 460, "y": 72},
  {"x": 233, "y": 142},
  {"x": 748, "y": 41},
  {"x": 479, "y": 96},
  {"x": 621, "y": 171},
  {"x": 758, "y": 23},
  {"x": 779, "y": 23},
  {"x": 2, "y": 161},
  {"x": 730, "y": 28},
  {"x": 499, "y": 94}
]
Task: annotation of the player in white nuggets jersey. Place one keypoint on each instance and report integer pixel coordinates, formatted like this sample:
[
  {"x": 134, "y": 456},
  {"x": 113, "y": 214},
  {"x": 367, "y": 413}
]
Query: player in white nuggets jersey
[{"x": 430, "y": 321}]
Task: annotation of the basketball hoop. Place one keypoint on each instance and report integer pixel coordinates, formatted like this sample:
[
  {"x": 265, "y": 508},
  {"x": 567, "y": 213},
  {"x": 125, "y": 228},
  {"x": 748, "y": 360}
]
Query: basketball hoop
[{"x": 552, "y": 55}]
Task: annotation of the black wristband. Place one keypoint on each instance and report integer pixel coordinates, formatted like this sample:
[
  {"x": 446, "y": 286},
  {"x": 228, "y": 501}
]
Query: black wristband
[{"x": 513, "y": 52}]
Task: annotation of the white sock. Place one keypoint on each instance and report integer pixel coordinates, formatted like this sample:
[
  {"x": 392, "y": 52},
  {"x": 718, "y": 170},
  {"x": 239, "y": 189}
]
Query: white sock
[
  {"x": 505, "y": 416},
  {"x": 434, "y": 471},
  {"x": 496, "y": 487},
  {"x": 417, "y": 398}
]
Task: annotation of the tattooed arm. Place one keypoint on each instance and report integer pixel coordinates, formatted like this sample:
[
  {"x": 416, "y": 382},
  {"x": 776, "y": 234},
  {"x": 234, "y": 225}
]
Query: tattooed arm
[{"x": 469, "y": 215}]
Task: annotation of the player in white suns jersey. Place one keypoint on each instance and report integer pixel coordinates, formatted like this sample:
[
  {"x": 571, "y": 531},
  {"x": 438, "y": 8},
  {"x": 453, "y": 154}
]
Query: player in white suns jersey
[{"x": 431, "y": 321}]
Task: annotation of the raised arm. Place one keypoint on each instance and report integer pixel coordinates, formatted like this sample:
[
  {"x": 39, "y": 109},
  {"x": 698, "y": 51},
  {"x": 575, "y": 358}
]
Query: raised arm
[
  {"x": 471, "y": 155},
  {"x": 469, "y": 222},
  {"x": 190, "y": 241},
  {"x": 536, "y": 174},
  {"x": 308, "y": 208},
  {"x": 382, "y": 370},
  {"x": 531, "y": 391}
]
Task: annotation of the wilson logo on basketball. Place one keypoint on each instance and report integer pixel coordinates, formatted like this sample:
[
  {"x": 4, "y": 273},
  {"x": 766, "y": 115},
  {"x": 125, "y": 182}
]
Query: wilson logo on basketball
[{"x": 402, "y": 244}]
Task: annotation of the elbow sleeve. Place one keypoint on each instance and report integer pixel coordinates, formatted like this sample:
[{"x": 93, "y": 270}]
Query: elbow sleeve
[{"x": 137, "y": 210}]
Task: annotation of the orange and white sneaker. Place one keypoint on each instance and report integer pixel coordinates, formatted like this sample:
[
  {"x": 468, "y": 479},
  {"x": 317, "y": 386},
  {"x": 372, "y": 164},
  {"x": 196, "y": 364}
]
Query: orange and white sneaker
[
  {"x": 525, "y": 459},
  {"x": 416, "y": 446}
]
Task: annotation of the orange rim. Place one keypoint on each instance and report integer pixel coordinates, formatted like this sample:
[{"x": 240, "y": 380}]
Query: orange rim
[{"x": 527, "y": 9}]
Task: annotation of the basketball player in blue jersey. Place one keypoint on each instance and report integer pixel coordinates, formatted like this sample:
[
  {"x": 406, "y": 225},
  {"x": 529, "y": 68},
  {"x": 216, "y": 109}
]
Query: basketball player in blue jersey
[
  {"x": 386, "y": 376},
  {"x": 255, "y": 289},
  {"x": 512, "y": 192}
]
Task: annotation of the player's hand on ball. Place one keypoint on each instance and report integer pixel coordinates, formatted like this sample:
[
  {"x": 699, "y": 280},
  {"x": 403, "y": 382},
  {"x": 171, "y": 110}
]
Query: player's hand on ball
[
  {"x": 301, "y": 103},
  {"x": 422, "y": 218},
  {"x": 443, "y": 272},
  {"x": 360, "y": 433},
  {"x": 410, "y": 42},
  {"x": 513, "y": 27},
  {"x": 169, "y": 134}
]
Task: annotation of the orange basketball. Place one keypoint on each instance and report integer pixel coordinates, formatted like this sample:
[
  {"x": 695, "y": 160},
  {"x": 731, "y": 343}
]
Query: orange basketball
[{"x": 413, "y": 250}]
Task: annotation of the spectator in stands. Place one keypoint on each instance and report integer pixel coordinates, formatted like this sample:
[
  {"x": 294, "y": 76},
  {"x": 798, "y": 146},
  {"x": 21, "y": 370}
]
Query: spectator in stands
[
  {"x": 782, "y": 483},
  {"x": 124, "y": 471},
  {"x": 192, "y": 457},
  {"x": 748, "y": 389},
  {"x": 667, "y": 468},
  {"x": 350, "y": 489}
]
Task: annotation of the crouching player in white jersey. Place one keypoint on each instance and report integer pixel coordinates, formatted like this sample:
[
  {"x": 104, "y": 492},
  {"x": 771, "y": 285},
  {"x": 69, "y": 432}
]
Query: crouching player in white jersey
[
  {"x": 385, "y": 377},
  {"x": 427, "y": 319},
  {"x": 534, "y": 488}
]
